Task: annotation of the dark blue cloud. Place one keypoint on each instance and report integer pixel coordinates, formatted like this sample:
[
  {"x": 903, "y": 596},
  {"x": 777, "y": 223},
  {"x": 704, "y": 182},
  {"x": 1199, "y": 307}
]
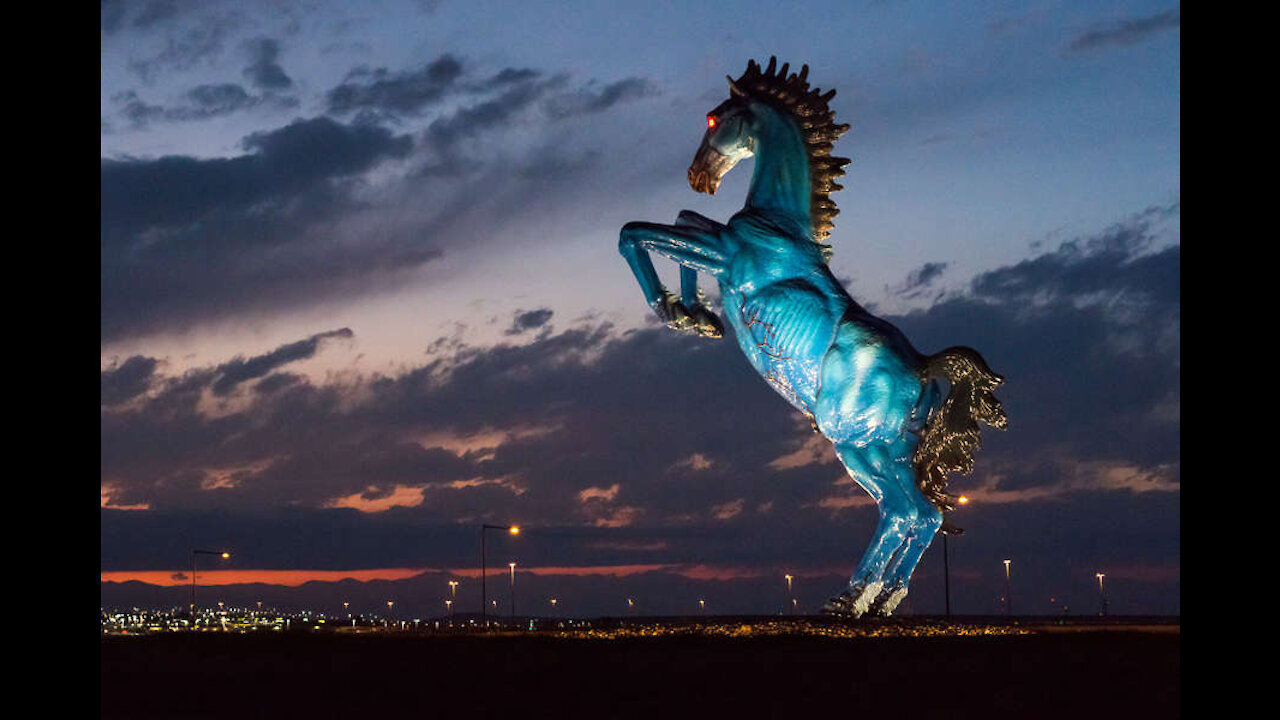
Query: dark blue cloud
[
  {"x": 179, "y": 235},
  {"x": 264, "y": 72},
  {"x": 1128, "y": 31}
]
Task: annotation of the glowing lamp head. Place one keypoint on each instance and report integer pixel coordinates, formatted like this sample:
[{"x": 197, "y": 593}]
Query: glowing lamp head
[
  {"x": 514, "y": 529},
  {"x": 963, "y": 499},
  {"x": 226, "y": 555}
]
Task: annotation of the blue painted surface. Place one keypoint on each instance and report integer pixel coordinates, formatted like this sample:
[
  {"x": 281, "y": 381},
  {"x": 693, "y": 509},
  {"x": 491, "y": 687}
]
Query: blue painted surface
[{"x": 856, "y": 376}]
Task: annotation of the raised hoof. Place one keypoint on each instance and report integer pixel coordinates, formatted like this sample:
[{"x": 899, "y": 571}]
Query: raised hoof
[
  {"x": 673, "y": 313},
  {"x": 706, "y": 324},
  {"x": 696, "y": 319}
]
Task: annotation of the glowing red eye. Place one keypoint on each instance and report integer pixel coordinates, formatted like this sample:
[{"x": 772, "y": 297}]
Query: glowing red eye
[{"x": 711, "y": 121}]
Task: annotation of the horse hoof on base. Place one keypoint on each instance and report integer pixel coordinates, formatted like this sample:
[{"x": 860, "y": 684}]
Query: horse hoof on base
[
  {"x": 854, "y": 602},
  {"x": 841, "y": 605},
  {"x": 888, "y": 599}
]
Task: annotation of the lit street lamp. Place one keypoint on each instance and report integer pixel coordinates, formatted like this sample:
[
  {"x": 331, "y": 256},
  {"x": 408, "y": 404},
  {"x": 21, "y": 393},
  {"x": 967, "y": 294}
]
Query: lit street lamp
[
  {"x": 946, "y": 561},
  {"x": 513, "y": 589},
  {"x": 1008, "y": 594},
  {"x": 220, "y": 553},
  {"x": 390, "y": 603},
  {"x": 1102, "y": 594},
  {"x": 484, "y": 596},
  {"x": 788, "y": 578}
]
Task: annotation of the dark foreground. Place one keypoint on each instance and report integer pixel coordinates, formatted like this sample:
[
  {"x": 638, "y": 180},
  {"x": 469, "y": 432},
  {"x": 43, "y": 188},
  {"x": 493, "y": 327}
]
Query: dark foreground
[{"x": 1045, "y": 671}]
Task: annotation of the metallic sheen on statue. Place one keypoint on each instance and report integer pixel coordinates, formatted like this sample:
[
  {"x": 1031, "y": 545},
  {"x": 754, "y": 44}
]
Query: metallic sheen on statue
[{"x": 855, "y": 376}]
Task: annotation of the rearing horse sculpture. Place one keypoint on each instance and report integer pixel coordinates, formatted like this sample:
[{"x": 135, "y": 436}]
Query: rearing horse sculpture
[{"x": 855, "y": 376}]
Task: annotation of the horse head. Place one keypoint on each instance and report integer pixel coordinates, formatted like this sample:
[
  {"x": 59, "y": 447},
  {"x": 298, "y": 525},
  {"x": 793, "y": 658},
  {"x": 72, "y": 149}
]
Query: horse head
[{"x": 728, "y": 140}]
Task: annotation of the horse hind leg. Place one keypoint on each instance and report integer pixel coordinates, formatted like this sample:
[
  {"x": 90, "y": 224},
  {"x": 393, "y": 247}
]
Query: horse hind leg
[
  {"x": 872, "y": 468},
  {"x": 897, "y": 575}
]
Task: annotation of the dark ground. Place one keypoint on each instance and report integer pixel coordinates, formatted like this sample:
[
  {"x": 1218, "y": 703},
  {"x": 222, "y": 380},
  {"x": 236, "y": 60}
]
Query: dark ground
[{"x": 1084, "y": 670}]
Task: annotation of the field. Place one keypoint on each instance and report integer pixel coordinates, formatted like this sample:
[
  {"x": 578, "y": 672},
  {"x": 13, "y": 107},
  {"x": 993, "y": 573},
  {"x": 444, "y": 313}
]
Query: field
[{"x": 719, "y": 668}]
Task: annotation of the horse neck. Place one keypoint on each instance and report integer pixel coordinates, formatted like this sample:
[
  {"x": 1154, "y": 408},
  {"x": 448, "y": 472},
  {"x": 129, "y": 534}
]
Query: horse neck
[{"x": 780, "y": 183}]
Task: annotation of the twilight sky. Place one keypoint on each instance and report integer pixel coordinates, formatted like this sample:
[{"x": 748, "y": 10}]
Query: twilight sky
[{"x": 360, "y": 293}]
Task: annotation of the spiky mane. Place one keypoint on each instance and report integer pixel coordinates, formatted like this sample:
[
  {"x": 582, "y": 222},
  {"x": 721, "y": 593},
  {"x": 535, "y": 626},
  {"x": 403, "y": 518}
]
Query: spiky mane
[{"x": 791, "y": 94}]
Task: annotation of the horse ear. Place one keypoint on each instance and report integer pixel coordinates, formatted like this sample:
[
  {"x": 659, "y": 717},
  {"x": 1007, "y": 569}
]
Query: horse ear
[{"x": 734, "y": 90}]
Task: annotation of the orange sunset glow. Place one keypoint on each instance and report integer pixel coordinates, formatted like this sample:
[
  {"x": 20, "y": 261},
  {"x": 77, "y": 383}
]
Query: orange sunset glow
[{"x": 295, "y": 578}]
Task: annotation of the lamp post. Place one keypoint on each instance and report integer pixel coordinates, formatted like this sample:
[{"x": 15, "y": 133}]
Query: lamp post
[
  {"x": 1102, "y": 594},
  {"x": 946, "y": 562},
  {"x": 788, "y": 578},
  {"x": 484, "y": 596},
  {"x": 220, "y": 553},
  {"x": 513, "y": 590},
  {"x": 1008, "y": 593}
]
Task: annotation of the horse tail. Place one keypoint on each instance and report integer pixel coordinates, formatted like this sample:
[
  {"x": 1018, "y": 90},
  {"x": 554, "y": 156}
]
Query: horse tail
[{"x": 950, "y": 436}]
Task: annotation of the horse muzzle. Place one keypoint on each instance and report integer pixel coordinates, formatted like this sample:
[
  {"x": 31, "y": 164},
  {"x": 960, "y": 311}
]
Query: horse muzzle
[{"x": 709, "y": 165}]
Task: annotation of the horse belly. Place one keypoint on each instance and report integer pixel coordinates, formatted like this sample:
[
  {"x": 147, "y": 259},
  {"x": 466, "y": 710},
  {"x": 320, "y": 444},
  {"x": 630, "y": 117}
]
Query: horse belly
[
  {"x": 785, "y": 329},
  {"x": 869, "y": 390}
]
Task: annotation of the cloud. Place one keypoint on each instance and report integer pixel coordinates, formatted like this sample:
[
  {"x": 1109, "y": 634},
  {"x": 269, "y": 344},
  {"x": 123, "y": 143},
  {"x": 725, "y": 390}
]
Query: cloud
[
  {"x": 264, "y": 72},
  {"x": 155, "y": 11},
  {"x": 478, "y": 118},
  {"x": 202, "y": 102},
  {"x": 586, "y": 101},
  {"x": 401, "y": 92},
  {"x": 526, "y": 320},
  {"x": 184, "y": 239},
  {"x": 123, "y": 382},
  {"x": 198, "y": 42},
  {"x": 920, "y": 279},
  {"x": 1127, "y": 32},
  {"x": 240, "y": 370}
]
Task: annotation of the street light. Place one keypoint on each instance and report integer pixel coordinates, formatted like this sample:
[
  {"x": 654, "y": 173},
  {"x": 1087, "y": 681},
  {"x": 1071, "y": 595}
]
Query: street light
[
  {"x": 788, "y": 577},
  {"x": 513, "y": 589},
  {"x": 1008, "y": 593},
  {"x": 1102, "y": 595},
  {"x": 946, "y": 561},
  {"x": 220, "y": 553},
  {"x": 390, "y": 603},
  {"x": 453, "y": 589},
  {"x": 484, "y": 596}
]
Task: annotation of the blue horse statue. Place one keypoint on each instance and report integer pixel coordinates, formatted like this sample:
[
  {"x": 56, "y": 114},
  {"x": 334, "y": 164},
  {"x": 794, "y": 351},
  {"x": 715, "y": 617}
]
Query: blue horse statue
[{"x": 855, "y": 376}]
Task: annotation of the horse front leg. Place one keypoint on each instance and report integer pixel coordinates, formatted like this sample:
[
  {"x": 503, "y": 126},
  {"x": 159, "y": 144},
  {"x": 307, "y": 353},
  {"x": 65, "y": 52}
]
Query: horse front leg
[
  {"x": 704, "y": 318},
  {"x": 695, "y": 249}
]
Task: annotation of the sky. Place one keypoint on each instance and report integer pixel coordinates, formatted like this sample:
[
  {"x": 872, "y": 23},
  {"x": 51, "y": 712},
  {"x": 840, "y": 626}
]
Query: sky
[{"x": 361, "y": 294}]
